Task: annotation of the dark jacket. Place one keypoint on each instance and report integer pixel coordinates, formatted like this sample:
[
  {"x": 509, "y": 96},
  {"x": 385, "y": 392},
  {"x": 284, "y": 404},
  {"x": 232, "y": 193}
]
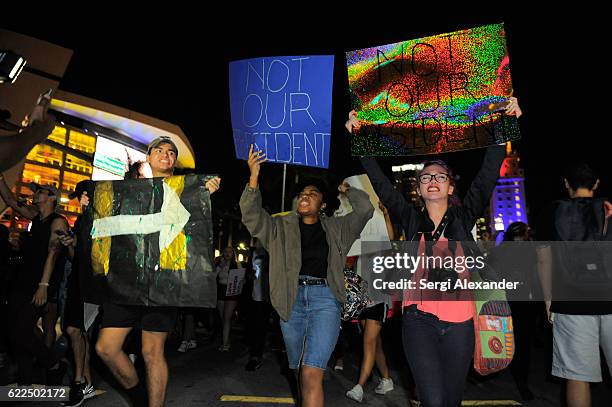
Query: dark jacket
[
  {"x": 462, "y": 218},
  {"x": 280, "y": 236}
]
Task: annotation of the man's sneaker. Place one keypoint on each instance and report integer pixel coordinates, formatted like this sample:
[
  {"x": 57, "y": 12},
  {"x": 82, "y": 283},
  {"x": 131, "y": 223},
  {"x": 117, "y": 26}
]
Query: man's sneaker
[
  {"x": 187, "y": 345},
  {"x": 89, "y": 391},
  {"x": 384, "y": 386},
  {"x": 79, "y": 392},
  {"x": 253, "y": 365},
  {"x": 356, "y": 393}
]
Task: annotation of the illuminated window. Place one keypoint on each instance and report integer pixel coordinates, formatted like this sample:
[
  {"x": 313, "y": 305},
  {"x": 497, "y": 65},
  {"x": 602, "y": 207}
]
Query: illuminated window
[
  {"x": 518, "y": 206},
  {"x": 518, "y": 214},
  {"x": 517, "y": 198},
  {"x": 77, "y": 164},
  {"x": 70, "y": 205},
  {"x": 58, "y": 135},
  {"x": 82, "y": 142},
  {"x": 40, "y": 175},
  {"x": 71, "y": 179},
  {"x": 45, "y": 154}
]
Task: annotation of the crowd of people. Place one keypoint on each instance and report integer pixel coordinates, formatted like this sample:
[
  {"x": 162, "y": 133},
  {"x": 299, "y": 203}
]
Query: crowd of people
[{"x": 296, "y": 272}]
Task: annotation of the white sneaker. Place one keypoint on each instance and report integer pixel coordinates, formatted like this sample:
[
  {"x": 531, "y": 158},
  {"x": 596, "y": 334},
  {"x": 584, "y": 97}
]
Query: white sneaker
[
  {"x": 384, "y": 386},
  {"x": 89, "y": 391},
  {"x": 187, "y": 345},
  {"x": 356, "y": 393}
]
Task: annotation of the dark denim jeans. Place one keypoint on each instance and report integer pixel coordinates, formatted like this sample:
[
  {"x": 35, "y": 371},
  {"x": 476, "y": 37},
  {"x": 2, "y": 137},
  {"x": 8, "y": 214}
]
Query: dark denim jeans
[{"x": 439, "y": 355}]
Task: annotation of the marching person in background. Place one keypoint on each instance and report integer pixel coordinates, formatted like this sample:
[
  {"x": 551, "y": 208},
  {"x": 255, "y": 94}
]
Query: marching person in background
[
  {"x": 580, "y": 328},
  {"x": 81, "y": 387},
  {"x": 226, "y": 305},
  {"x": 372, "y": 320},
  {"x": 260, "y": 307},
  {"x": 35, "y": 291}
]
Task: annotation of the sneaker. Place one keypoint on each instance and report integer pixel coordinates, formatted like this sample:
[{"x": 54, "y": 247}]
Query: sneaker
[
  {"x": 356, "y": 393},
  {"x": 339, "y": 365},
  {"x": 89, "y": 391},
  {"x": 79, "y": 392},
  {"x": 187, "y": 345},
  {"x": 384, "y": 386},
  {"x": 225, "y": 348},
  {"x": 253, "y": 365}
]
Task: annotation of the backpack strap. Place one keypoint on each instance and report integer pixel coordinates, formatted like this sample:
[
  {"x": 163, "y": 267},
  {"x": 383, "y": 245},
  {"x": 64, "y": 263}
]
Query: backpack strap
[{"x": 600, "y": 217}]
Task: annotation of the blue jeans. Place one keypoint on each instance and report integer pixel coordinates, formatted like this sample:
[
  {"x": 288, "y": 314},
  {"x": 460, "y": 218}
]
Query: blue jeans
[
  {"x": 439, "y": 355},
  {"x": 312, "y": 330}
]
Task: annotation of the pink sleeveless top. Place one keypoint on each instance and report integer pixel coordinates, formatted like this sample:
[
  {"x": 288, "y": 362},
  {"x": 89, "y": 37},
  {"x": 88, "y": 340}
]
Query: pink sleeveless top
[{"x": 451, "y": 307}]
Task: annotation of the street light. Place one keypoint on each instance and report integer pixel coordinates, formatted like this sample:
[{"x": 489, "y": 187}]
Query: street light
[{"x": 11, "y": 66}]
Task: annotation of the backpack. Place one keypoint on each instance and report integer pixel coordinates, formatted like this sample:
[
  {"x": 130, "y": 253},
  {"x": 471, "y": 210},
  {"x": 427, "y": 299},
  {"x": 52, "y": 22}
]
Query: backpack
[{"x": 585, "y": 268}]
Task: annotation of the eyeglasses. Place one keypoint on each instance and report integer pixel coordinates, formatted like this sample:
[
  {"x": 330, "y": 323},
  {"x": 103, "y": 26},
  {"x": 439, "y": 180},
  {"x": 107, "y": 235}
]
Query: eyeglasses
[{"x": 426, "y": 178}]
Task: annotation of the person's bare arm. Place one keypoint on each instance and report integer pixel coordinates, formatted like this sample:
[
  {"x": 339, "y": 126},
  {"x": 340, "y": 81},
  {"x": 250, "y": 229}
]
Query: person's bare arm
[
  {"x": 29, "y": 212},
  {"x": 55, "y": 248},
  {"x": 388, "y": 222},
  {"x": 544, "y": 254}
]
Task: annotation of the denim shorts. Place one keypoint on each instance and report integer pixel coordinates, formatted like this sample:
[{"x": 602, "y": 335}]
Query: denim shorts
[{"x": 312, "y": 330}]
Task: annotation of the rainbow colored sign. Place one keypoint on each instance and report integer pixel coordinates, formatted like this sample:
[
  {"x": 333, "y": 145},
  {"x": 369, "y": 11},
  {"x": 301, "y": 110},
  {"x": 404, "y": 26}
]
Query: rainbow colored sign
[{"x": 432, "y": 95}]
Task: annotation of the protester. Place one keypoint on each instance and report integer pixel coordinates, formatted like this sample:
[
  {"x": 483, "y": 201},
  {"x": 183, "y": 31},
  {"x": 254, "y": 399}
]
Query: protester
[
  {"x": 372, "y": 320},
  {"x": 81, "y": 388},
  {"x": 35, "y": 289},
  {"x": 438, "y": 336},
  {"x": 155, "y": 322},
  {"x": 226, "y": 304},
  {"x": 307, "y": 294},
  {"x": 515, "y": 260},
  {"x": 580, "y": 328},
  {"x": 259, "y": 307}
]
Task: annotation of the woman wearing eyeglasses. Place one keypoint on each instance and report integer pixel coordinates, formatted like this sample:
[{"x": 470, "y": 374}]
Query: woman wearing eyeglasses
[{"x": 437, "y": 330}]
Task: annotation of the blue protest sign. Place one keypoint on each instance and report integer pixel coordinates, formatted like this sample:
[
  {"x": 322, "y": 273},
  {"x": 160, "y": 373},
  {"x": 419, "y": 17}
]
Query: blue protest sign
[{"x": 283, "y": 106}]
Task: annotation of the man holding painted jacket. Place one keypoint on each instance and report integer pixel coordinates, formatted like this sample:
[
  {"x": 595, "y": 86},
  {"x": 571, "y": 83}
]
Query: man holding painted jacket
[{"x": 155, "y": 322}]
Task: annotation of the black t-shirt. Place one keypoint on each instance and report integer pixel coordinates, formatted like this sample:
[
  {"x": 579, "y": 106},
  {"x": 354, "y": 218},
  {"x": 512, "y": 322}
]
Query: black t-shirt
[
  {"x": 314, "y": 250},
  {"x": 582, "y": 226},
  {"x": 36, "y": 249}
]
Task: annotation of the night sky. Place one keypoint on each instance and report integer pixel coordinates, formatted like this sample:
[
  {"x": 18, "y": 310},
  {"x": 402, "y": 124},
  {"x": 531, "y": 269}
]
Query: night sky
[{"x": 179, "y": 73}]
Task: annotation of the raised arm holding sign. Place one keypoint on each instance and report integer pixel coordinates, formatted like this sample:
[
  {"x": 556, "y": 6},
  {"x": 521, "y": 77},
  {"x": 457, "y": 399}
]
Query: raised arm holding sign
[{"x": 282, "y": 105}]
